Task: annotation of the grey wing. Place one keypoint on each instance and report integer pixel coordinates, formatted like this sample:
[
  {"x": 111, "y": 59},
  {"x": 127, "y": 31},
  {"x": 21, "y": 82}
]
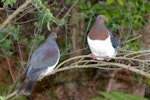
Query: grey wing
[
  {"x": 42, "y": 58},
  {"x": 114, "y": 41}
]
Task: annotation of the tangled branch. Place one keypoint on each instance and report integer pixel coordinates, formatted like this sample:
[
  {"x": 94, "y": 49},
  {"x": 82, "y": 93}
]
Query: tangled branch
[
  {"x": 133, "y": 61},
  {"x": 83, "y": 62},
  {"x": 10, "y": 17}
]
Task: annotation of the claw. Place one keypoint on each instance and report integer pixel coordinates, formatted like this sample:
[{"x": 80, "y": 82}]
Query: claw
[
  {"x": 106, "y": 58},
  {"x": 93, "y": 56}
]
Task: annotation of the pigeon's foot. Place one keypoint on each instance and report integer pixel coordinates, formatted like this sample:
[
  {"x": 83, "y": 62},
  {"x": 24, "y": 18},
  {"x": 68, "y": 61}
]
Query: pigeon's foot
[
  {"x": 106, "y": 58},
  {"x": 40, "y": 78},
  {"x": 93, "y": 56},
  {"x": 53, "y": 72}
]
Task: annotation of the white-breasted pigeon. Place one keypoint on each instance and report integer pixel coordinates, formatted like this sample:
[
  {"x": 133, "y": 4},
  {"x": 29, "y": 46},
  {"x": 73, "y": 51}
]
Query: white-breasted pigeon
[{"x": 101, "y": 41}]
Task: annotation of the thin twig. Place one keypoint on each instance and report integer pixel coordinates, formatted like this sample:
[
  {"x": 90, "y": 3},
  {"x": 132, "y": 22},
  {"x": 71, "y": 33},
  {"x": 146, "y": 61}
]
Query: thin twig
[
  {"x": 133, "y": 39},
  {"x": 82, "y": 66},
  {"x": 87, "y": 28},
  {"x": 20, "y": 53},
  {"x": 70, "y": 9},
  {"x": 27, "y": 21},
  {"x": 111, "y": 81},
  {"x": 75, "y": 51},
  {"x": 60, "y": 11},
  {"x": 131, "y": 59},
  {"x": 144, "y": 54},
  {"x": 24, "y": 13},
  {"x": 136, "y": 52},
  {"x": 11, "y": 95},
  {"x": 141, "y": 72},
  {"x": 9, "y": 66},
  {"x": 4, "y": 37},
  {"x": 83, "y": 56},
  {"x": 57, "y": 29}
]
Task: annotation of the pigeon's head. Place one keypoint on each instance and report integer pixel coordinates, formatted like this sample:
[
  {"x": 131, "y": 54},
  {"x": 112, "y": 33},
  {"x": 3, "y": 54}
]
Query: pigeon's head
[
  {"x": 52, "y": 35},
  {"x": 101, "y": 19},
  {"x": 51, "y": 39}
]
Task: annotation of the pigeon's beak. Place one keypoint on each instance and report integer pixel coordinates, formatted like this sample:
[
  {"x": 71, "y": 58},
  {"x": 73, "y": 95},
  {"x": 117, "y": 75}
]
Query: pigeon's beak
[
  {"x": 55, "y": 36},
  {"x": 106, "y": 19}
]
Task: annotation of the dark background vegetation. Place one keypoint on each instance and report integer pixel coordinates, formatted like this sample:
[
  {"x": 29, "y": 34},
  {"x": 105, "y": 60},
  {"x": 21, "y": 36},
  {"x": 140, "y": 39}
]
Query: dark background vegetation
[{"x": 72, "y": 20}]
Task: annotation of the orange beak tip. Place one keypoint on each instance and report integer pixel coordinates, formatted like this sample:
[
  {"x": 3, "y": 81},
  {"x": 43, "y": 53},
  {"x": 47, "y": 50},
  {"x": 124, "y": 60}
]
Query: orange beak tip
[{"x": 106, "y": 19}]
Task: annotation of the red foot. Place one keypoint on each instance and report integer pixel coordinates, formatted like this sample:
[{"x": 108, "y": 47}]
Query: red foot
[
  {"x": 93, "y": 56},
  {"x": 106, "y": 58}
]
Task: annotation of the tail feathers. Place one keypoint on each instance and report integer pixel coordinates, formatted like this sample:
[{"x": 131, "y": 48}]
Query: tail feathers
[{"x": 26, "y": 88}]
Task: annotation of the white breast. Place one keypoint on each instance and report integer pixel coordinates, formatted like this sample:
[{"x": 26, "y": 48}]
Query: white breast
[{"x": 101, "y": 47}]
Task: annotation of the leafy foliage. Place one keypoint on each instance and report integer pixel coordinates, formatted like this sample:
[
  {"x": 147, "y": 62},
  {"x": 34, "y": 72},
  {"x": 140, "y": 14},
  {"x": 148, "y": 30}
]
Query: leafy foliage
[
  {"x": 129, "y": 16},
  {"x": 9, "y": 2},
  {"x": 121, "y": 2},
  {"x": 148, "y": 82},
  {"x": 110, "y": 1},
  {"x": 118, "y": 96},
  {"x": 6, "y": 44},
  {"x": 34, "y": 43},
  {"x": 2, "y": 98},
  {"x": 46, "y": 14},
  {"x": 15, "y": 32},
  {"x": 9, "y": 35},
  {"x": 12, "y": 33}
]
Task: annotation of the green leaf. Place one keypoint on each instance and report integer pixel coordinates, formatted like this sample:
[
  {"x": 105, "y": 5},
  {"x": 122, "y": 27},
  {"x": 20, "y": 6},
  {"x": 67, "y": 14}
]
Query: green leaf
[
  {"x": 120, "y": 2},
  {"x": 6, "y": 44},
  {"x": 62, "y": 22},
  {"x": 15, "y": 31},
  {"x": 147, "y": 8},
  {"x": 131, "y": 4},
  {"x": 96, "y": 6},
  {"x": 109, "y": 2},
  {"x": 148, "y": 81},
  {"x": 24, "y": 41},
  {"x": 97, "y": 98},
  {"x": 9, "y": 2},
  {"x": 41, "y": 38},
  {"x": 120, "y": 96},
  {"x": 109, "y": 96},
  {"x": 2, "y": 98},
  {"x": 9, "y": 53},
  {"x": 82, "y": 6},
  {"x": 108, "y": 16},
  {"x": 89, "y": 4},
  {"x": 48, "y": 26},
  {"x": 45, "y": 15}
]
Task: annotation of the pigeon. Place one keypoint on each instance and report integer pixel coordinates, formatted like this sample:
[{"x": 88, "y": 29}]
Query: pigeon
[
  {"x": 42, "y": 63},
  {"x": 101, "y": 41}
]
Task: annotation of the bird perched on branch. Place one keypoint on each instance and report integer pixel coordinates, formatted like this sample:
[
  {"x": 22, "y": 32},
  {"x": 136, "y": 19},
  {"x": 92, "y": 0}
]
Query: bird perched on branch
[
  {"x": 101, "y": 41},
  {"x": 43, "y": 61}
]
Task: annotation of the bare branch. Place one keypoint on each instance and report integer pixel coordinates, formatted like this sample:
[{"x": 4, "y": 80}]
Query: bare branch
[
  {"x": 9, "y": 66},
  {"x": 84, "y": 61},
  {"x": 57, "y": 29},
  {"x": 80, "y": 64}
]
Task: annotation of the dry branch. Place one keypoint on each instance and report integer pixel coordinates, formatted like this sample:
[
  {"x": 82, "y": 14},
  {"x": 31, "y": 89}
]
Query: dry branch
[
  {"x": 81, "y": 64},
  {"x": 84, "y": 61}
]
